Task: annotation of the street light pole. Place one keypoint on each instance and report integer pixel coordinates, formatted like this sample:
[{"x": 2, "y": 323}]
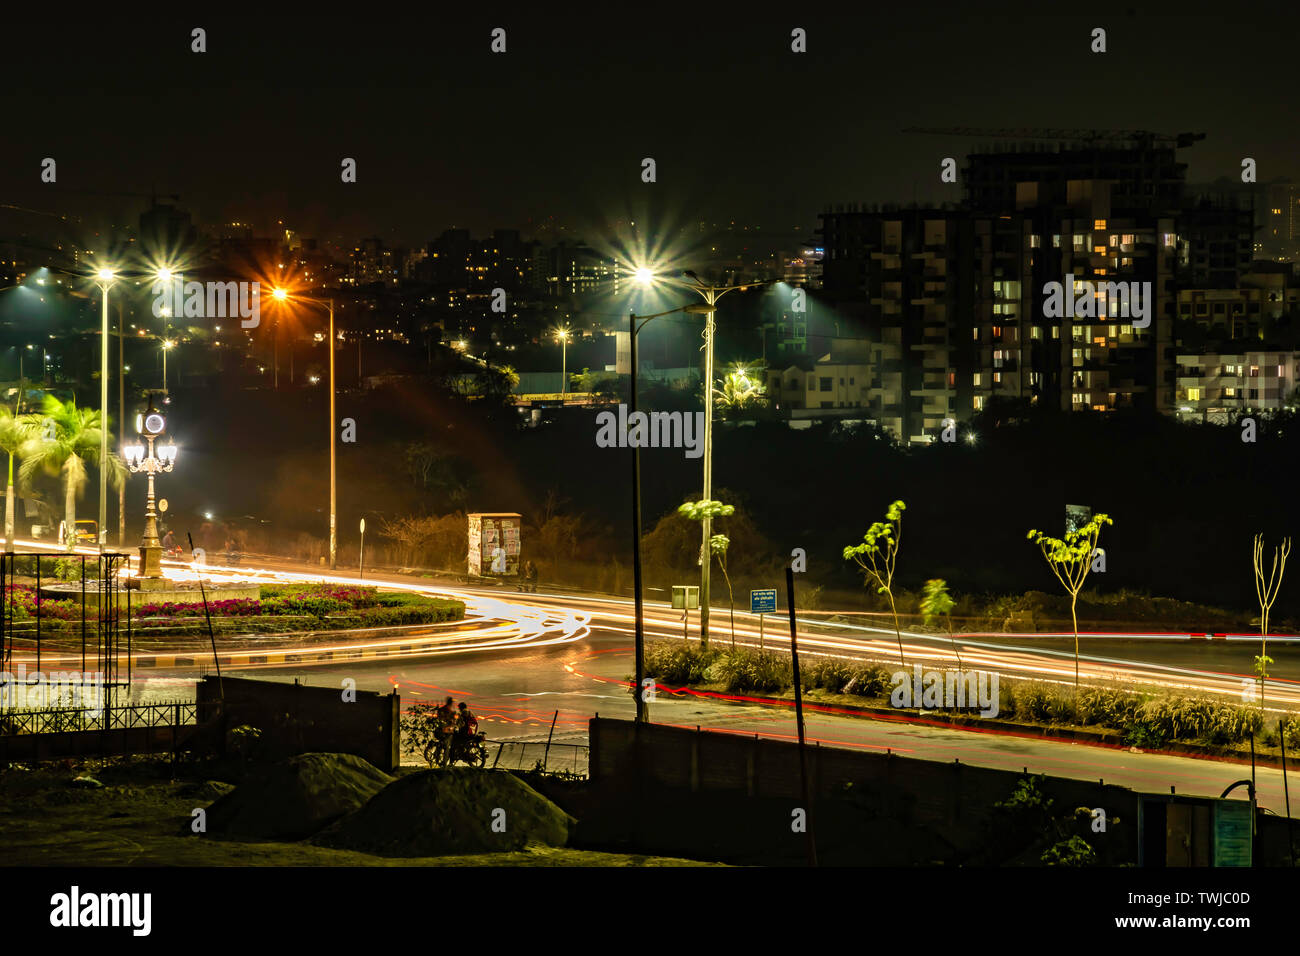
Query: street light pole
[
  {"x": 706, "y": 556},
  {"x": 641, "y": 714},
  {"x": 333, "y": 523},
  {"x": 105, "y": 281},
  {"x": 638, "y": 689},
  {"x": 711, "y": 294},
  {"x": 282, "y": 296},
  {"x": 121, "y": 429},
  {"x": 564, "y": 361}
]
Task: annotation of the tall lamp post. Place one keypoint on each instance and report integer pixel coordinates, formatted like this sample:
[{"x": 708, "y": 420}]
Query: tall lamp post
[
  {"x": 167, "y": 346},
  {"x": 563, "y": 336},
  {"x": 152, "y": 461},
  {"x": 636, "y": 324},
  {"x": 105, "y": 278},
  {"x": 711, "y": 294},
  {"x": 282, "y": 296}
]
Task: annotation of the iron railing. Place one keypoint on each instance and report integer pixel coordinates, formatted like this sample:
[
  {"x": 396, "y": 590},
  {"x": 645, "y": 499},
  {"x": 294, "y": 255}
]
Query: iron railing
[
  {"x": 120, "y": 717},
  {"x": 549, "y": 758}
]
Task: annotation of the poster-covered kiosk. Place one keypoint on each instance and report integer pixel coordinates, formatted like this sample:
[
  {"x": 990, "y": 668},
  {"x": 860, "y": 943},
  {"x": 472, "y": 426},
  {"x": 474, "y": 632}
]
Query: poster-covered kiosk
[{"x": 494, "y": 544}]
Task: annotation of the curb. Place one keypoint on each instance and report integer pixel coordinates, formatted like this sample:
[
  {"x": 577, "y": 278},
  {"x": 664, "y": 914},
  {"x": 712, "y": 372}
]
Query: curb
[{"x": 1004, "y": 727}]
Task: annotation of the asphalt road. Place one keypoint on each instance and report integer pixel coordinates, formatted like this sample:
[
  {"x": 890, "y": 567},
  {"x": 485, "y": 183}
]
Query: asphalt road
[
  {"x": 516, "y": 695},
  {"x": 578, "y": 669}
]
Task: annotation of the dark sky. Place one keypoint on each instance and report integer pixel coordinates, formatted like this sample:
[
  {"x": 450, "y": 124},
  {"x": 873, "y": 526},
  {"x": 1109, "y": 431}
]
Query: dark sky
[{"x": 446, "y": 133}]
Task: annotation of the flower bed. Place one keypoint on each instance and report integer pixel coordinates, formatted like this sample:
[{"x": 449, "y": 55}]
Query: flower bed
[
  {"x": 21, "y": 600},
  {"x": 312, "y": 607},
  {"x": 308, "y": 607}
]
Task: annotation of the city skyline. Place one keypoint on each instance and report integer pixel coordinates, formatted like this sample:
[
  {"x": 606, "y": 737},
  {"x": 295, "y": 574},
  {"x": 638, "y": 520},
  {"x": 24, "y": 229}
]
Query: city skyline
[{"x": 527, "y": 158}]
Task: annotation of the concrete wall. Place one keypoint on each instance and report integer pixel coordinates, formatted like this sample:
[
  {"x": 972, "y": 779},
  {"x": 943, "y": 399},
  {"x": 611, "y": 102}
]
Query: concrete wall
[
  {"x": 94, "y": 743},
  {"x": 303, "y": 719},
  {"x": 895, "y": 809}
]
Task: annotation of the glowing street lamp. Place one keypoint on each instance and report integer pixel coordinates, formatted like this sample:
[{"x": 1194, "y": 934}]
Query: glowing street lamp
[
  {"x": 104, "y": 279},
  {"x": 711, "y": 294},
  {"x": 167, "y": 346},
  {"x": 563, "y": 335},
  {"x": 282, "y": 295},
  {"x": 152, "y": 461},
  {"x": 636, "y": 324}
]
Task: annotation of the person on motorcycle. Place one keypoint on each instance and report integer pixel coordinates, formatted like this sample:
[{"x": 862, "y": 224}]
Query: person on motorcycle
[
  {"x": 445, "y": 717},
  {"x": 466, "y": 723},
  {"x": 466, "y": 728}
]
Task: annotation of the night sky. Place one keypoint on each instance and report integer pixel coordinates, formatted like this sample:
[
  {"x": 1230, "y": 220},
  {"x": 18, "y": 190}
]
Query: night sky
[{"x": 446, "y": 133}]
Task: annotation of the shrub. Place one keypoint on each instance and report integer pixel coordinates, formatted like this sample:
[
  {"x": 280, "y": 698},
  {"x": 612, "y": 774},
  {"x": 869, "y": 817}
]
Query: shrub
[
  {"x": 750, "y": 672},
  {"x": 869, "y": 680},
  {"x": 1108, "y": 707},
  {"x": 678, "y": 662},
  {"x": 827, "y": 673},
  {"x": 1291, "y": 732},
  {"x": 1041, "y": 703}
]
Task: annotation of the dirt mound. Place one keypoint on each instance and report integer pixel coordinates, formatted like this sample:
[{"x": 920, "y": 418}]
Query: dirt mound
[
  {"x": 295, "y": 798},
  {"x": 439, "y": 812},
  {"x": 205, "y": 791}
]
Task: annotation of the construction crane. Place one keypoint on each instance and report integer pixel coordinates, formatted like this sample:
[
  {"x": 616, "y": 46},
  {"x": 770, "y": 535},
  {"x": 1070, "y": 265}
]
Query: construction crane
[{"x": 1144, "y": 137}]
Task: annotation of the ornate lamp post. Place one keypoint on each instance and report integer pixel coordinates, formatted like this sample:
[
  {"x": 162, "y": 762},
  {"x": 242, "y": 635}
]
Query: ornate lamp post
[{"x": 150, "y": 426}]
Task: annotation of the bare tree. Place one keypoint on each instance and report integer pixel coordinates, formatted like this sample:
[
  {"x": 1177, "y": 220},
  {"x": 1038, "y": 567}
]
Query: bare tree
[{"x": 1266, "y": 590}]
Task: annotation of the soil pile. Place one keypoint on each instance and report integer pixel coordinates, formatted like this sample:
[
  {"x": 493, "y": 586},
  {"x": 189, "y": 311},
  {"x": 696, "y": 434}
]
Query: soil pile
[
  {"x": 458, "y": 810},
  {"x": 296, "y": 798}
]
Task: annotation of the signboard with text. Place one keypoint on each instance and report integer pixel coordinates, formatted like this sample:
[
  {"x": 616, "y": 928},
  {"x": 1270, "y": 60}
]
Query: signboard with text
[{"x": 763, "y": 601}]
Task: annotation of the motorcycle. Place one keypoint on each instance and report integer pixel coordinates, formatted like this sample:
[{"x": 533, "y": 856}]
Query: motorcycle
[{"x": 471, "y": 750}]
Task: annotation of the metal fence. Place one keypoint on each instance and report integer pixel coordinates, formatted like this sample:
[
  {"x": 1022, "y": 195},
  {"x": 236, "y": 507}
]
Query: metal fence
[
  {"x": 122, "y": 717},
  {"x": 530, "y": 755}
]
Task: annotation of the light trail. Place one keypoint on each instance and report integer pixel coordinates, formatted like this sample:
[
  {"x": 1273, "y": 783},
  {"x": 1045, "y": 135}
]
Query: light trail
[
  {"x": 491, "y": 624},
  {"x": 549, "y": 619}
]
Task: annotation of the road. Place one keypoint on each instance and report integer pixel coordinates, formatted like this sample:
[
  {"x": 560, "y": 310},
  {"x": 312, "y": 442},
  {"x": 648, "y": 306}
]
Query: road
[{"x": 567, "y": 657}]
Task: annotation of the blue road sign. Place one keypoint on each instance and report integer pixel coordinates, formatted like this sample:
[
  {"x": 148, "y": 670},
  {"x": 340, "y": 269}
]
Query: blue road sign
[{"x": 762, "y": 602}]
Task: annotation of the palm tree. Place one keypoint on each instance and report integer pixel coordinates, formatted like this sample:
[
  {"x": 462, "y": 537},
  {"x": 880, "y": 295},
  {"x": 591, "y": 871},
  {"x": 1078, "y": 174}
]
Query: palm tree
[
  {"x": 14, "y": 433},
  {"x": 64, "y": 438}
]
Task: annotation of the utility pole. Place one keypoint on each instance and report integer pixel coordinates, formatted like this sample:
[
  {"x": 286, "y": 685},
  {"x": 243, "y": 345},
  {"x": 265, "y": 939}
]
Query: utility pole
[
  {"x": 639, "y": 690},
  {"x": 121, "y": 428}
]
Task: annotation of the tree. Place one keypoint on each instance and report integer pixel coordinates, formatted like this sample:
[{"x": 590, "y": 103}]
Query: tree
[
  {"x": 14, "y": 433},
  {"x": 1266, "y": 590},
  {"x": 64, "y": 438},
  {"x": 742, "y": 389},
  {"x": 877, "y": 555},
  {"x": 1071, "y": 560},
  {"x": 935, "y": 602},
  {"x": 718, "y": 544},
  {"x": 698, "y": 511}
]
